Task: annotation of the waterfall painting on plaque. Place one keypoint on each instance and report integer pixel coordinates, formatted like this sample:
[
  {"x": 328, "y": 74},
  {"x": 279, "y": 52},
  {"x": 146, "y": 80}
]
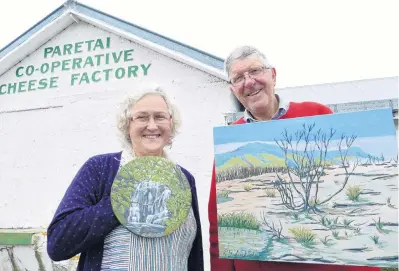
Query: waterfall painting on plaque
[
  {"x": 319, "y": 190},
  {"x": 151, "y": 196}
]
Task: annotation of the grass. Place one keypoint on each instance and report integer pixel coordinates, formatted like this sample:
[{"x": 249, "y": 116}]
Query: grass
[
  {"x": 239, "y": 220},
  {"x": 326, "y": 241},
  {"x": 375, "y": 239},
  {"x": 353, "y": 192},
  {"x": 296, "y": 216},
  {"x": 303, "y": 235},
  {"x": 238, "y": 169},
  {"x": 223, "y": 196},
  {"x": 270, "y": 192},
  {"x": 357, "y": 230},
  {"x": 234, "y": 243},
  {"x": 308, "y": 216},
  {"x": 329, "y": 222},
  {"x": 312, "y": 202},
  {"x": 239, "y": 254},
  {"x": 335, "y": 234},
  {"x": 248, "y": 187},
  {"x": 347, "y": 223},
  {"x": 224, "y": 193},
  {"x": 379, "y": 226}
]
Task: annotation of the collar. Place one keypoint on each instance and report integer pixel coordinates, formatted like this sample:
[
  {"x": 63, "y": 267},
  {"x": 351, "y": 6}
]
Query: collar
[
  {"x": 282, "y": 109},
  {"x": 128, "y": 155}
]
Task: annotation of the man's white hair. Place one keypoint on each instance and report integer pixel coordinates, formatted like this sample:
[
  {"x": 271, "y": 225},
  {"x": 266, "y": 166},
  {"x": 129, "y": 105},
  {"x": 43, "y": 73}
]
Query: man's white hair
[{"x": 243, "y": 52}]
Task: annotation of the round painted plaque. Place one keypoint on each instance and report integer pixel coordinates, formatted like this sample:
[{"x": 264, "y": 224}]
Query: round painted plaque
[{"x": 151, "y": 196}]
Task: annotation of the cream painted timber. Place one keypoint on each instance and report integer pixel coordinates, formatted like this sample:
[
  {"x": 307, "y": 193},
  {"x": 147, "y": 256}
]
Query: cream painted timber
[{"x": 33, "y": 256}]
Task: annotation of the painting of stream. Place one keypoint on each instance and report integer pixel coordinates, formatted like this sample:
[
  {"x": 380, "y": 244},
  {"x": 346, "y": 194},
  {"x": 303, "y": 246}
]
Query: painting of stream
[
  {"x": 321, "y": 189},
  {"x": 151, "y": 196}
]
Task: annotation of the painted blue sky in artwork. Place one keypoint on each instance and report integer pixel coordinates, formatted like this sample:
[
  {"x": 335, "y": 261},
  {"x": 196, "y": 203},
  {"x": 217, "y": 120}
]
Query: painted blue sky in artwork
[
  {"x": 371, "y": 123},
  {"x": 375, "y": 146}
]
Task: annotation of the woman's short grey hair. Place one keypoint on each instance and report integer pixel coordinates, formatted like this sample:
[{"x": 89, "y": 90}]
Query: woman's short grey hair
[
  {"x": 243, "y": 52},
  {"x": 123, "y": 122}
]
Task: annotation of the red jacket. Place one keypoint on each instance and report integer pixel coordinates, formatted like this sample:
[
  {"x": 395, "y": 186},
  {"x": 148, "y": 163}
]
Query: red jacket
[{"x": 295, "y": 110}]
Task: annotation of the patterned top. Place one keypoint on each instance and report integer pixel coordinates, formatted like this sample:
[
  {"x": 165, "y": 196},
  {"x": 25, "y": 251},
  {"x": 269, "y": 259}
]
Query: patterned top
[{"x": 125, "y": 251}]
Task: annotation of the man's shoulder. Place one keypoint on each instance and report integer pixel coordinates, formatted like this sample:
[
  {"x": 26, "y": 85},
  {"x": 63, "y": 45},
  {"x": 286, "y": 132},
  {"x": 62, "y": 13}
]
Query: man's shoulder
[
  {"x": 299, "y": 109},
  {"x": 239, "y": 121},
  {"x": 309, "y": 108}
]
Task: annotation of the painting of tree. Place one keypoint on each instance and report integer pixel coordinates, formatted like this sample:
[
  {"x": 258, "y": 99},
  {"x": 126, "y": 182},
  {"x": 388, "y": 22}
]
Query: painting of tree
[{"x": 319, "y": 190}]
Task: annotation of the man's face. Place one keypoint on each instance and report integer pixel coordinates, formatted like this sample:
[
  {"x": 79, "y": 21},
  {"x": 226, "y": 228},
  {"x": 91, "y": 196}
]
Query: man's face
[{"x": 255, "y": 92}]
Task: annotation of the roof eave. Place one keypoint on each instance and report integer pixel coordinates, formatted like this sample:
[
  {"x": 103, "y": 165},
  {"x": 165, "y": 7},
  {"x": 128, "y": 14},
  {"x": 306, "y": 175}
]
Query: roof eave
[
  {"x": 68, "y": 14},
  {"x": 33, "y": 40},
  {"x": 150, "y": 45}
]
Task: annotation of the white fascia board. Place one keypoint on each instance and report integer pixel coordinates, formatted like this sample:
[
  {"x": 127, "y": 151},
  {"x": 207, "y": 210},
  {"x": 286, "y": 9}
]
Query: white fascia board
[
  {"x": 35, "y": 41},
  {"x": 155, "y": 47}
]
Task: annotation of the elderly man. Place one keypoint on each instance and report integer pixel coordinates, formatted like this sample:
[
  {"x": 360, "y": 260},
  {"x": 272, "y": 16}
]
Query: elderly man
[{"x": 252, "y": 80}]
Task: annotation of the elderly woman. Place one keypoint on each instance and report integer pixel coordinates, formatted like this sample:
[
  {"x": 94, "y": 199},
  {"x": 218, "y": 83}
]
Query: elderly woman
[{"x": 85, "y": 222}]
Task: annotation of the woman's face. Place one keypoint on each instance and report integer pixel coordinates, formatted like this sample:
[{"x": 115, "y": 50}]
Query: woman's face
[{"x": 150, "y": 126}]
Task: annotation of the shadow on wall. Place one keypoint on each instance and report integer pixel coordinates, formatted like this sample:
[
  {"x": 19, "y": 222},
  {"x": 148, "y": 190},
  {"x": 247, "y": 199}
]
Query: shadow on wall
[{"x": 32, "y": 257}]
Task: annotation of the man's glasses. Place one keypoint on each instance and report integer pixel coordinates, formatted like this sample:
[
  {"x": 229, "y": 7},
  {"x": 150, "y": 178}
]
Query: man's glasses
[{"x": 253, "y": 73}]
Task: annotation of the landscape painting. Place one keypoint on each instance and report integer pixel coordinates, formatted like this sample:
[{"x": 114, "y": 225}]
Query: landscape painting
[
  {"x": 319, "y": 190},
  {"x": 151, "y": 196}
]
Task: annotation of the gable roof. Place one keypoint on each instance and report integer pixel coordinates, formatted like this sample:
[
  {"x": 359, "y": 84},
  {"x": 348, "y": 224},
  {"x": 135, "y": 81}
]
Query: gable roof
[{"x": 73, "y": 12}]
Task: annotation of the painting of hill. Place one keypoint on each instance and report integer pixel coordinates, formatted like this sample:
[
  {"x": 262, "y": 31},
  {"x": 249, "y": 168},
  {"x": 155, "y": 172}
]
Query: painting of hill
[
  {"x": 266, "y": 154},
  {"x": 321, "y": 189}
]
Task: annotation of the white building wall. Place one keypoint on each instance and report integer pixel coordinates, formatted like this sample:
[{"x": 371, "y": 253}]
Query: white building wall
[
  {"x": 361, "y": 92},
  {"x": 42, "y": 149},
  {"x": 345, "y": 92}
]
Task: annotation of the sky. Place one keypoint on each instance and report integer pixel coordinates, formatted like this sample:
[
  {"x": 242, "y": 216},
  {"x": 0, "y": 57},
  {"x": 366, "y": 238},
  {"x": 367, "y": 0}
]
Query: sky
[
  {"x": 308, "y": 41},
  {"x": 374, "y": 146},
  {"x": 374, "y": 129},
  {"x": 371, "y": 123}
]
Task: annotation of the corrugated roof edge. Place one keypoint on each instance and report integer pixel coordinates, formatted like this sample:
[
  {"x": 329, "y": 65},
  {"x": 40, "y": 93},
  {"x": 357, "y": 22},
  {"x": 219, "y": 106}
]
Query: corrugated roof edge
[
  {"x": 204, "y": 57},
  {"x": 157, "y": 38}
]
